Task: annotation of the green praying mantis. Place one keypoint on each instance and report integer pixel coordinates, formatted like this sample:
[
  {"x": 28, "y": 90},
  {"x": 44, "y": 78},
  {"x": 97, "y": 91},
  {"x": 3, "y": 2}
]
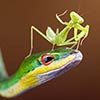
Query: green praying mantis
[{"x": 60, "y": 38}]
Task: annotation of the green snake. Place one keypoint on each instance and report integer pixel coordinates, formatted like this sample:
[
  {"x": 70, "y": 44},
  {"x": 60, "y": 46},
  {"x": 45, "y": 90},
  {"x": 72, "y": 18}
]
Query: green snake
[{"x": 37, "y": 69}]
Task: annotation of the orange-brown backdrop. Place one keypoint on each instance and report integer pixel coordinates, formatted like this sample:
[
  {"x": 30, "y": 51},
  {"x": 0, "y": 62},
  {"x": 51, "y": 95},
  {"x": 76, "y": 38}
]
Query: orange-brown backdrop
[{"x": 16, "y": 18}]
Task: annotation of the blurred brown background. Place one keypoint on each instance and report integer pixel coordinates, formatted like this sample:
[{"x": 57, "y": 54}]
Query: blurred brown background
[{"x": 16, "y": 18}]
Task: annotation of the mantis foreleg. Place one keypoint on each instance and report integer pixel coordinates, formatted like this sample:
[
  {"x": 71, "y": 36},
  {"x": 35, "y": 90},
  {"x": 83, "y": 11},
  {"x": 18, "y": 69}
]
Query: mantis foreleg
[{"x": 60, "y": 20}]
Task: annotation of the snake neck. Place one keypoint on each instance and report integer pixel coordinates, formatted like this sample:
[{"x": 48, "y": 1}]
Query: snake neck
[{"x": 16, "y": 85}]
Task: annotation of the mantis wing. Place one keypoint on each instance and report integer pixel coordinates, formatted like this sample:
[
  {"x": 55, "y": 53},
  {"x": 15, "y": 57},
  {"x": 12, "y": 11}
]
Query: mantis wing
[{"x": 51, "y": 35}]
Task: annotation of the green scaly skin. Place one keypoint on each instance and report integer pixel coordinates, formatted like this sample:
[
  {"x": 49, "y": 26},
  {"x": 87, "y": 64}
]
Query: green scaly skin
[{"x": 32, "y": 72}]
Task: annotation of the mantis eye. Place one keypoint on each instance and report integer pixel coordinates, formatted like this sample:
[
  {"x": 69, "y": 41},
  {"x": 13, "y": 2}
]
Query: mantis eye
[{"x": 47, "y": 59}]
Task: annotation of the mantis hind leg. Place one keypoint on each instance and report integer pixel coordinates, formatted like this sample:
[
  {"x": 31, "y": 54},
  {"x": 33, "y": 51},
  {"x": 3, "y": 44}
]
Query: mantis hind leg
[
  {"x": 69, "y": 42},
  {"x": 31, "y": 43}
]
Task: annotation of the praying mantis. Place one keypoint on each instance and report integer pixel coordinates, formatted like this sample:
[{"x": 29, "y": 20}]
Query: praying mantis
[{"x": 60, "y": 38}]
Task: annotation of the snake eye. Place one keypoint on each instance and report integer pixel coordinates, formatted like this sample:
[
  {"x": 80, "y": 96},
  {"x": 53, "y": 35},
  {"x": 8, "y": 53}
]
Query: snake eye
[{"x": 47, "y": 59}]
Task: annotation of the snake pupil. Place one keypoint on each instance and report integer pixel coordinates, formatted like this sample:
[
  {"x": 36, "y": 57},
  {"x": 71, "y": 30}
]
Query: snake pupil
[{"x": 47, "y": 59}]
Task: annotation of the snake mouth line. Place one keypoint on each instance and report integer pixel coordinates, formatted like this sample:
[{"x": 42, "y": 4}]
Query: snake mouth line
[{"x": 57, "y": 72}]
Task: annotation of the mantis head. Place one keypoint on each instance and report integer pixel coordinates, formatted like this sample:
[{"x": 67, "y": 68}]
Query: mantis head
[{"x": 76, "y": 17}]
